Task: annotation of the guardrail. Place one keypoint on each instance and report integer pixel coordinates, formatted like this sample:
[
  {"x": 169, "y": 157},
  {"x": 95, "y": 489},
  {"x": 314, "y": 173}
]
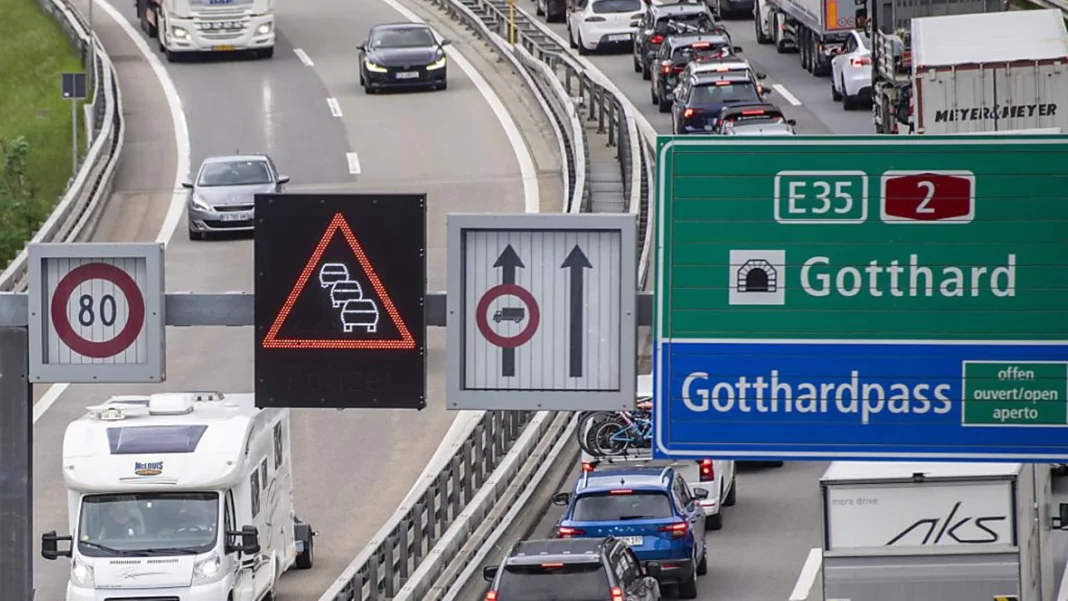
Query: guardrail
[{"x": 78, "y": 212}]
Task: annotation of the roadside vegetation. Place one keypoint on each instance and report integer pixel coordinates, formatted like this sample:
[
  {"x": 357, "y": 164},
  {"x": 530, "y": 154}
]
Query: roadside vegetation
[{"x": 35, "y": 122}]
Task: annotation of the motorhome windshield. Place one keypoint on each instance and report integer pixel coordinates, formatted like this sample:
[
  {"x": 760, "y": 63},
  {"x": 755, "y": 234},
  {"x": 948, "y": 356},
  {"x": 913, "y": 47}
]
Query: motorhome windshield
[{"x": 146, "y": 524}]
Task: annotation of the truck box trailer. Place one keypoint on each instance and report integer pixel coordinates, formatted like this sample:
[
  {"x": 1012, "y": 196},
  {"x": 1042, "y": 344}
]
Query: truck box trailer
[
  {"x": 816, "y": 29},
  {"x": 936, "y": 531}
]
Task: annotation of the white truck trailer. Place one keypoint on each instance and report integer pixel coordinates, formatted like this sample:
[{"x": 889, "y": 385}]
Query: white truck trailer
[
  {"x": 973, "y": 73},
  {"x": 937, "y": 531},
  {"x": 179, "y": 496},
  {"x": 816, "y": 29},
  {"x": 185, "y": 27}
]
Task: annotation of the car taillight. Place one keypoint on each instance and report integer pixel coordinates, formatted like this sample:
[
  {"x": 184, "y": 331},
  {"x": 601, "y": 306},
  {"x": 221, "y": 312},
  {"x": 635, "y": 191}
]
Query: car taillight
[
  {"x": 708, "y": 469},
  {"x": 491, "y": 596},
  {"x": 565, "y": 532},
  {"x": 656, "y": 39},
  {"x": 678, "y": 530},
  {"x": 678, "y": 69},
  {"x": 594, "y": 19},
  {"x": 690, "y": 113},
  {"x": 617, "y": 594},
  {"x": 588, "y": 466},
  {"x": 860, "y": 61},
  {"x": 665, "y": 68}
]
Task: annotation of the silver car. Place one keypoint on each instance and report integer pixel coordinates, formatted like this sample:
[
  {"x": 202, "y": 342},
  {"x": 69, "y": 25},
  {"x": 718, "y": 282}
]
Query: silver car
[{"x": 221, "y": 198}]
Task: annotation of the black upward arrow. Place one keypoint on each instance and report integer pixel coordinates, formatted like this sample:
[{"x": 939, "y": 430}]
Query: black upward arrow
[
  {"x": 576, "y": 261},
  {"x": 508, "y": 261}
]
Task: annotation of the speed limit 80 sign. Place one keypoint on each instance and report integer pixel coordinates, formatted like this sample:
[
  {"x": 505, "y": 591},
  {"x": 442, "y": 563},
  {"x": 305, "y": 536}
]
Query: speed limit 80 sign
[{"x": 96, "y": 313}]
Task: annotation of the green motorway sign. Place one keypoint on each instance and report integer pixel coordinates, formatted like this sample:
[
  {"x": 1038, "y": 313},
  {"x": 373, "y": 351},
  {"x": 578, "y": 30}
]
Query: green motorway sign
[{"x": 867, "y": 237}]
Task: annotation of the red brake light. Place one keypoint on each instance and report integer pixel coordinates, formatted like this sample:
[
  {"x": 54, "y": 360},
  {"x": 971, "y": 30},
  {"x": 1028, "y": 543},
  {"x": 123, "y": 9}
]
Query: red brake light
[
  {"x": 588, "y": 466},
  {"x": 621, "y": 491},
  {"x": 491, "y": 596},
  {"x": 744, "y": 113},
  {"x": 677, "y": 530},
  {"x": 565, "y": 532},
  {"x": 708, "y": 469},
  {"x": 724, "y": 82},
  {"x": 860, "y": 61},
  {"x": 701, "y": 45},
  {"x": 552, "y": 565},
  {"x": 665, "y": 68},
  {"x": 617, "y": 594},
  {"x": 690, "y": 113},
  {"x": 656, "y": 39},
  {"x": 594, "y": 19}
]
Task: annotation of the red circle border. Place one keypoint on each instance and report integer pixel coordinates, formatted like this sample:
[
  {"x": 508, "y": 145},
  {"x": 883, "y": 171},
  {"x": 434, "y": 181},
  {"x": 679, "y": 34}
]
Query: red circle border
[
  {"x": 134, "y": 300},
  {"x": 533, "y": 317}
]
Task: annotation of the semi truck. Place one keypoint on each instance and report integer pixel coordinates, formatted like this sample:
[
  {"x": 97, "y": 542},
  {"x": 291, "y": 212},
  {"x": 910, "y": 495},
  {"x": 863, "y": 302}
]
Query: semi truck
[
  {"x": 816, "y": 29},
  {"x": 938, "y": 531},
  {"x": 179, "y": 496},
  {"x": 184, "y": 27}
]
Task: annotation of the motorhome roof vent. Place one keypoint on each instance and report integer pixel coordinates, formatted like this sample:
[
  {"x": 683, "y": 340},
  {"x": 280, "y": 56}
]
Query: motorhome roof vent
[
  {"x": 171, "y": 403},
  {"x": 120, "y": 407},
  {"x": 207, "y": 397}
]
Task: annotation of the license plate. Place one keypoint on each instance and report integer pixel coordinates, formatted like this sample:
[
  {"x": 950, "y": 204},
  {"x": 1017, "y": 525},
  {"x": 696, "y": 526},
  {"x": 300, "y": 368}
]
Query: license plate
[
  {"x": 236, "y": 217},
  {"x": 634, "y": 541},
  {"x": 408, "y": 75},
  {"x": 623, "y": 37},
  {"x": 222, "y": 48}
]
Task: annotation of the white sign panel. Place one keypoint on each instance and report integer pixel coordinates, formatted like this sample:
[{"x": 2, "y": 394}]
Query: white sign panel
[
  {"x": 920, "y": 516},
  {"x": 96, "y": 313},
  {"x": 541, "y": 312}
]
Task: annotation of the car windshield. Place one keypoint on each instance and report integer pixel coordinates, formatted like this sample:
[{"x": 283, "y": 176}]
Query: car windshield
[
  {"x": 143, "y": 524},
  {"x": 556, "y": 581},
  {"x": 234, "y": 173},
  {"x": 635, "y": 505},
  {"x": 689, "y": 53},
  {"x": 407, "y": 37},
  {"x": 724, "y": 93},
  {"x": 602, "y": 7}
]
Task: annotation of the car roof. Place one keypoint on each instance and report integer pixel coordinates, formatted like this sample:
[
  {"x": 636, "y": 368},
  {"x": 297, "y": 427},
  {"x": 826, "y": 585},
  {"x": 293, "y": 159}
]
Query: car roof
[
  {"x": 234, "y": 158},
  {"x": 556, "y": 550},
  {"x": 712, "y": 64},
  {"x": 741, "y": 108},
  {"x": 687, "y": 39},
  {"x": 667, "y": 10},
  {"x": 709, "y": 77},
  {"x": 641, "y": 478},
  {"x": 387, "y": 26}
]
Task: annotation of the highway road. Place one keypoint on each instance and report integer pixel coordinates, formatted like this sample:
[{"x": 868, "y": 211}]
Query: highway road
[
  {"x": 304, "y": 107},
  {"x": 763, "y": 551}
]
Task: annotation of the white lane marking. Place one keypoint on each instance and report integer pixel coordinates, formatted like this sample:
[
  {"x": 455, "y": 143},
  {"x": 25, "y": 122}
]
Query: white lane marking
[
  {"x": 354, "y": 162},
  {"x": 181, "y": 141},
  {"x": 529, "y": 175},
  {"x": 808, "y": 575},
  {"x": 335, "y": 108},
  {"x": 781, "y": 89},
  {"x": 304, "y": 58}
]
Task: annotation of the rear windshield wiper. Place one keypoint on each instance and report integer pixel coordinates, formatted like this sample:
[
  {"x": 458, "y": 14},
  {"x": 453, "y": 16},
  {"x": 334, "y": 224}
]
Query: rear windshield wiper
[{"x": 635, "y": 517}]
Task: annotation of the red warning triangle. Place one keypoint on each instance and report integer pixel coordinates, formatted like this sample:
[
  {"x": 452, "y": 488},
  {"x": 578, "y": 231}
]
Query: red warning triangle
[{"x": 405, "y": 341}]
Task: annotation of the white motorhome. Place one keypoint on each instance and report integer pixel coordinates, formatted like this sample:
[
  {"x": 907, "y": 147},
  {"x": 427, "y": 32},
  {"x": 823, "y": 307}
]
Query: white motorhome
[{"x": 179, "y": 496}]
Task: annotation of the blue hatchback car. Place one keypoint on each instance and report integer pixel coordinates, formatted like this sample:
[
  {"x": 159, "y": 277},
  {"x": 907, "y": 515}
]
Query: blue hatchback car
[{"x": 651, "y": 509}]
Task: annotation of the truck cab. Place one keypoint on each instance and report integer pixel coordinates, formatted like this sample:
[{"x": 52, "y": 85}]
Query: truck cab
[
  {"x": 185, "y": 494},
  {"x": 184, "y": 27}
]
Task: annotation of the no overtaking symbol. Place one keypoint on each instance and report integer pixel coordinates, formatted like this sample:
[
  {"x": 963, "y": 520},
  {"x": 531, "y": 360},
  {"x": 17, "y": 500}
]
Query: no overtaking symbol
[
  {"x": 135, "y": 302},
  {"x": 482, "y": 315}
]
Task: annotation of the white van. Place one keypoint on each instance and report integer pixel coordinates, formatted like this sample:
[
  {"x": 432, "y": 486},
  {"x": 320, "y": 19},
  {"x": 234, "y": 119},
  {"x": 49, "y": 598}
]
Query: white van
[{"x": 188, "y": 495}]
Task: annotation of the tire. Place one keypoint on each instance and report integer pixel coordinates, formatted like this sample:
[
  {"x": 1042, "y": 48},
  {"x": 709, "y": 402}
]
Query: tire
[
  {"x": 663, "y": 105},
  {"x": 647, "y": 74},
  {"x": 637, "y": 65},
  {"x": 601, "y": 439},
  {"x": 653, "y": 96},
  {"x": 571, "y": 39},
  {"x": 714, "y": 522},
  {"x": 582, "y": 50},
  {"x": 836, "y": 96},
  {"x": 443, "y": 85},
  {"x": 198, "y": 235},
  {"x": 760, "y": 37},
  {"x": 153, "y": 30},
  {"x": 732, "y": 496},
  {"x": 538, "y": 11},
  {"x": 265, "y": 52},
  {"x": 702, "y": 566},
  {"x": 305, "y": 560},
  {"x": 688, "y": 589},
  {"x": 848, "y": 103},
  {"x": 587, "y": 428}
]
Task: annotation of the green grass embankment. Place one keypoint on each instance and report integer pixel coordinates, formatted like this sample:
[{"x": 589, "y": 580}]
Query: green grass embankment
[{"x": 35, "y": 122}]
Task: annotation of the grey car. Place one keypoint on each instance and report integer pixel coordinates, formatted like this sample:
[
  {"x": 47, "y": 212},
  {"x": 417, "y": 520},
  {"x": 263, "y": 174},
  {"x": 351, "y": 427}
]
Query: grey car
[{"x": 222, "y": 197}]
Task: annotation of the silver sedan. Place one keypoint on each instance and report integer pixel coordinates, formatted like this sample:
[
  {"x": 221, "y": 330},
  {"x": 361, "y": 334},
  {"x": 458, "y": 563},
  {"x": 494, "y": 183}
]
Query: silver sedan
[{"x": 222, "y": 197}]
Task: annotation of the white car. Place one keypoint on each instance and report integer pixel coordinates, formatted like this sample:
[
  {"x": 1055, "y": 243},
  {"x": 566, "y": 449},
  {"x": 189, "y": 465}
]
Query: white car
[
  {"x": 725, "y": 65},
  {"x": 714, "y": 475},
  {"x": 594, "y": 24},
  {"x": 851, "y": 71}
]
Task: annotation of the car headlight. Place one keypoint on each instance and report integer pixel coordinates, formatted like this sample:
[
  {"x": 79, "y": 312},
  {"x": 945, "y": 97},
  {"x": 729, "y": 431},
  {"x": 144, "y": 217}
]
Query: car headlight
[
  {"x": 373, "y": 67},
  {"x": 263, "y": 29},
  {"x": 199, "y": 204},
  {"x": 207, "y": 569},
  {"x": 438, "y": 64},
  {"x": 178, "y": 32},
  {"x": 81, "y": 573}
]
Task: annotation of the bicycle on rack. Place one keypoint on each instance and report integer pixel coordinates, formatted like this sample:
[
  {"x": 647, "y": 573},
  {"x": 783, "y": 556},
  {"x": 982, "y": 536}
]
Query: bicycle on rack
[{"x": 613, "y": 433}]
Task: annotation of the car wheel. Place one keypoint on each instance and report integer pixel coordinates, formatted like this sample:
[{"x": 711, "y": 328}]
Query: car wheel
[
  {"x": 306, "y": 560},
  {"x": 663, "y": 105},
  {"x": 537, "y": 9},
  {"x": 847, "y": 101},
  {"x": 193, "y": 235},
  {"x": 702, "y": 566},
  {"x": 571, "y": 39},
  {"x": 443, "y": 85},
  {"x": 265, "y": 52},
  {"x": 582, "y": 46},
  {"x": 646, "y": 73},
  {"x": 688, "y": 589},
  {"x": 637, "y": 65},
  {"x": 732, "y": 496},
  {"x": 835, "y": 94},
  {"x": 714, "y": 522},
  {"x": 652, "y": 95}
]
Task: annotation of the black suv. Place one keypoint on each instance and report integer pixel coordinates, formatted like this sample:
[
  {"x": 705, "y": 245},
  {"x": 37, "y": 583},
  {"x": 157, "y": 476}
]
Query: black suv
[
  {"x": 572, "y": 569},
  {"x": 678, "y": 51},
  {"x": 661, "y": 21}
]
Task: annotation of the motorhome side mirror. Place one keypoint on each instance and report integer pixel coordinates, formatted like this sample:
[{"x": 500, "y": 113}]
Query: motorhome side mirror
[
  {"x": 361, "y": 47},
  {"x": 250, "y": 540},
  {"x": 50, "y": 545},
  {"x": 766, "y": 91},
  {"x": 791, "y": 122},
  {"x": 762, "y": 75},
  {"x": 652, "y": 569},
  {"x": 561, "y": 498},
  {"x": 283, "y": 179},
  {"x": 489, "y": 573},
  {"x": 444, "y": 42},
  {"x": 1062, "y": 512},
  {"x": 700, "y": 493},
  {"x": 187, "y": 185}
]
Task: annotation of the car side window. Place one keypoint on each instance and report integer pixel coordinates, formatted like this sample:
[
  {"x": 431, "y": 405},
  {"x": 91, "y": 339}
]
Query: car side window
[
  {"x": 686, "y": 490},
  {"x": 681, "y": 492}
]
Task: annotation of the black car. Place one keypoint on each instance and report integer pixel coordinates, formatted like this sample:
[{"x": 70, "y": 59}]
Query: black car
[
  {"x": 677, "y": 52},
  {"x": 700, "y": 98},
  {"x": 573, "y": 569},
  {"x": 402, "y": 55},
  {"x": 661, "y": 21},
  {"x": 554, "y": 10}
]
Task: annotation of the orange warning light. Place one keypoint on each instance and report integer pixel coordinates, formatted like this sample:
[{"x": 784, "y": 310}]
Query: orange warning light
[{"x": 405, "y": 342}]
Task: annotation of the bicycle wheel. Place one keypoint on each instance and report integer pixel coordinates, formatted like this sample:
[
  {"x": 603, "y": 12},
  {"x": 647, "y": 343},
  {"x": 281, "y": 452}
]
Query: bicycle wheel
[
  {"x": 587, "y": 424},
  {"x": 611, "y": 438}
]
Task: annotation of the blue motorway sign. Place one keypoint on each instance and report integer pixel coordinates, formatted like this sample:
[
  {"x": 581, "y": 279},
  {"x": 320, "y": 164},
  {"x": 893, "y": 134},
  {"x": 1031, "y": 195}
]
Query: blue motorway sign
[{"x": 840, "y": 400}]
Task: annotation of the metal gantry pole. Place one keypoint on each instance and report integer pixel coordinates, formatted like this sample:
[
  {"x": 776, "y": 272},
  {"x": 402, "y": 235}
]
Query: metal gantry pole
[
  {"x": 92, "y": 50},
  {"x": 16, "y": 467}
]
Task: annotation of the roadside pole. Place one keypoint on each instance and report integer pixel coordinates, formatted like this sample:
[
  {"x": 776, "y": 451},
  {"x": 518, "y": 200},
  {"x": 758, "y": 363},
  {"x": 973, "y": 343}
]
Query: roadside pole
[
  {"x": 92, "y": 48},
  {"x": 16, "y": 466}
]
